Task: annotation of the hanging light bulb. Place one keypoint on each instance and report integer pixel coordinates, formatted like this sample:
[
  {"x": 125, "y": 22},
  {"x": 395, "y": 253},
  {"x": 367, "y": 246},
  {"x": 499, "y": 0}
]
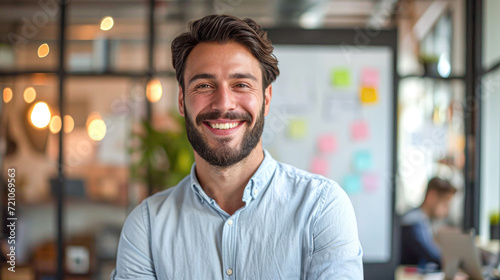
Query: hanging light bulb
[
  {"x": 40, "y": 115},
  {"x": 55, "y": 124},
  {"x": 43, "y": 50},
  {"x": 107, "y": 23},
  {"x": 7, "y": 95},
  {"x": 154, "y": 90},
  {"x": 29, "y": 94}
]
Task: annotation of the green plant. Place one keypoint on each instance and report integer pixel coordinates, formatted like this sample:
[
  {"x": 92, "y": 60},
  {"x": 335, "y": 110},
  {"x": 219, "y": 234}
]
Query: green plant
[
  {"x": 495, "y": 218},
  {"x": 163, "y": 157}
]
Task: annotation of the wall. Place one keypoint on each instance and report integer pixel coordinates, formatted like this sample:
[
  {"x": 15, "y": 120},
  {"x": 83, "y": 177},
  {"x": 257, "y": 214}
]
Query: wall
[{"x": 490, "y": 144}]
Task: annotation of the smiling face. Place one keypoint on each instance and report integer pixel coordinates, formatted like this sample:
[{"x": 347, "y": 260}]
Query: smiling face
[{"x": 223, "y": 102}]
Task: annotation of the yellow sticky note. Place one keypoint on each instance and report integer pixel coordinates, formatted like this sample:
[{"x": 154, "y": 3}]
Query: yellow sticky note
[
  {"x": 368, "y": 95},
  {"x": 341, "y": 77},
  {"x": 297, "y": 129}
]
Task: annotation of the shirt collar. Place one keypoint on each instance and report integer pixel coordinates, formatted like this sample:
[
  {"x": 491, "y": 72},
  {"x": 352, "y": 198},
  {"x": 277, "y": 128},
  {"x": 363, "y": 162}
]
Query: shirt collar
[{"x": 255, "y": 187}]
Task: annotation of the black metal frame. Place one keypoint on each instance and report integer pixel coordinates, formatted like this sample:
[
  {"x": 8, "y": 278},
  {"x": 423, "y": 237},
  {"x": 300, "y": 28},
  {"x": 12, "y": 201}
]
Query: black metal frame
[
  {"x": 350, "y": 37},
  {"x": 60, "y": 170},
  {"x": 472, "y": 115}
]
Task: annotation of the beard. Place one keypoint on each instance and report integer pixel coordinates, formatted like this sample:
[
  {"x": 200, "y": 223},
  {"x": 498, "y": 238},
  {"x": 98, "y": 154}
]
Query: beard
[{"x": 223, "y": 155}]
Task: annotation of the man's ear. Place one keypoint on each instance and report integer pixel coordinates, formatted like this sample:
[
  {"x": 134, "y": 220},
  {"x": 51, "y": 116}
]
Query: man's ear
[
  {"x": 268, "y": 94},
  {"x": 180, "y": 101}
]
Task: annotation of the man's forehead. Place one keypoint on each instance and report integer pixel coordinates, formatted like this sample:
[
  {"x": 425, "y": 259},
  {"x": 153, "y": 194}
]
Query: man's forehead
[{"x": 230, "y": 59}]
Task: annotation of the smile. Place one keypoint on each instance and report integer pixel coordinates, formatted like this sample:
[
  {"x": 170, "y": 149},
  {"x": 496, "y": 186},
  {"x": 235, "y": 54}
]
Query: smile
[{"x": 223, "y": 126}]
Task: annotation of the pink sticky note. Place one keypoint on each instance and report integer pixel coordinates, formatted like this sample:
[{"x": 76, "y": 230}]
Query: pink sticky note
[
  {"x": 370, "y": 77},
  {"x": 319, "y": 166},
  {"x": 359, "y": 130},
  {"x": 327, "y": 144},
  {"x": 370, "y": 182}
]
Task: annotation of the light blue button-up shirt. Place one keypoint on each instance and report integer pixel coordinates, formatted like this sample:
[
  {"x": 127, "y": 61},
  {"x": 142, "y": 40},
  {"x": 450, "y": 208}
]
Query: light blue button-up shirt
[{"x": 294, "y": 225}]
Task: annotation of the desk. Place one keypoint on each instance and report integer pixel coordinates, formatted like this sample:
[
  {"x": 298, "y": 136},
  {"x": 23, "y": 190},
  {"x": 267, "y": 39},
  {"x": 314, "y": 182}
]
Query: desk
[{"x": 405, "y": 273}]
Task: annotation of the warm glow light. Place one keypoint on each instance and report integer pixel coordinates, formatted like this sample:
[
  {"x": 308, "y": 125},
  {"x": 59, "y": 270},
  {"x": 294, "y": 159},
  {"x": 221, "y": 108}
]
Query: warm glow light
[
  {"x": 7, "y": 95},
  {"x": 107, "y": 23},
  {"x": 96, "y": 129},
  {"x": 55, "y": 124},
  {"x": 43, "y": 50},
  {"x": 153, "y": 90},
  {"x": 69, "y": 124},
  {"x": 29, "y": 94},
  {"x": 40, "y": 115}
]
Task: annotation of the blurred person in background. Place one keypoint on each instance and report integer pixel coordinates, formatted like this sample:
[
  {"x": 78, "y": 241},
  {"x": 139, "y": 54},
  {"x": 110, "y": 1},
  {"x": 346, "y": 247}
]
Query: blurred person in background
[{"x": 417, "y": 235}]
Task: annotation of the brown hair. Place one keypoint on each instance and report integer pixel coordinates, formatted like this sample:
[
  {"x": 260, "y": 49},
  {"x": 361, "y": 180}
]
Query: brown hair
[
  {"x": 223, "y": 29},
  {"x": 440, "y": 186}
]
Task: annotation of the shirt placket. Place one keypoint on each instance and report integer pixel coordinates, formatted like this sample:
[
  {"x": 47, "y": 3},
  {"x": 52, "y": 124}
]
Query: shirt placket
[{"x": 229, "y": 247}]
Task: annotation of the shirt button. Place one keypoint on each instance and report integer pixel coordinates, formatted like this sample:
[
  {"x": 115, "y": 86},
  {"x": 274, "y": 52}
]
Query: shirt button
[
  {"x": 230, "y": 222},
  {"x": 229, "y": 272},
  {"x": 255, "y": 192}
]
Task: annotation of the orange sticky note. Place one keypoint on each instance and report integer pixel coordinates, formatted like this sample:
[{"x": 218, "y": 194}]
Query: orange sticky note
[{"x": 368, "y": 95}]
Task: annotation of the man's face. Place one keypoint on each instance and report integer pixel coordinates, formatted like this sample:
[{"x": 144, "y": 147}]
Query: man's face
[
  {"x": 223, "y": 102},
  {"x": 441, "y": 205}
]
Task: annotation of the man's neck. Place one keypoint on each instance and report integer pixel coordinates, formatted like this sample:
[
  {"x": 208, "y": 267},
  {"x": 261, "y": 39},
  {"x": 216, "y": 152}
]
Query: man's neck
[
  {"x": 427, "y": 210},
  {"x": 226, "y": 185}
]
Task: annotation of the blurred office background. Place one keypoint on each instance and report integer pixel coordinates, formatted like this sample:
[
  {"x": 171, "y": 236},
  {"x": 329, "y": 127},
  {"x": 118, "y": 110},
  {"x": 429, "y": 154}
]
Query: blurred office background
[{"x": 90, "y": 124}]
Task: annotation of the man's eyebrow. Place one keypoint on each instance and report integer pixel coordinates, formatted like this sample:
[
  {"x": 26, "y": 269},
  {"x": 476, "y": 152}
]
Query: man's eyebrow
[
  {"x": 243, "y": 76},
  {"x": 200, "y": 76}
]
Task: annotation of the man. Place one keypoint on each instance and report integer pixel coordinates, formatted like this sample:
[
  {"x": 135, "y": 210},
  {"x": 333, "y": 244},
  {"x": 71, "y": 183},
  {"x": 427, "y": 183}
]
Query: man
[
  {"x": 418, "y": 246},
  {"x": 239, "y": 214}
]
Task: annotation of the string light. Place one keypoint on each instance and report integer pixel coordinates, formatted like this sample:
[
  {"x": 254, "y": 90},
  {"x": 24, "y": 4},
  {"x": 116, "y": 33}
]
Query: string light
[
  {"x": 40, "y": 115},
  {"x": 43, "y": 50},
  {"x": 96, "y": 127},
  {"x": 7, "y": 95},
  {"x": 154, "y": 90},
  {"x": 55, "y": 124},
  {"x": 69, "y": 124},
  {"x": 107, "y": 23},
  {"x": 29, "y": 94}
]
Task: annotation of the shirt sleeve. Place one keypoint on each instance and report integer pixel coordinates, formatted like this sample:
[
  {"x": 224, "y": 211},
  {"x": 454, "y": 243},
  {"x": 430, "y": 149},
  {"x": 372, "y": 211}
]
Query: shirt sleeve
[
  {"x": 134, "y": 258},
  {"x": 337, "y": 252},
  {"x": 422, "y": 244}
]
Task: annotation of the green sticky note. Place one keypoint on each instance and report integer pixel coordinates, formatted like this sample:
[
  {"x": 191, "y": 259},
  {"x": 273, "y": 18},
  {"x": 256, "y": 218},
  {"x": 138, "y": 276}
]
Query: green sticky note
[
  {"x": 297, "y": 129},
  {"x": 363, "y": 160},
  {"x": 341, "y": 77},
  {"x": 351, "y": 184}
]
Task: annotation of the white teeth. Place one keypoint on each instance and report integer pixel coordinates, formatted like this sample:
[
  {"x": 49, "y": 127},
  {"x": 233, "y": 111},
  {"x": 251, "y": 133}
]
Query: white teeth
[{"x": 222, "y": 125}]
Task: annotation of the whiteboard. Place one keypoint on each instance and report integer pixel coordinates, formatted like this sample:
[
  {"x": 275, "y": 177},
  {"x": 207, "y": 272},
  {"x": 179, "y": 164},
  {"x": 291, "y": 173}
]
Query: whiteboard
[{"x": 320, "y": 122}]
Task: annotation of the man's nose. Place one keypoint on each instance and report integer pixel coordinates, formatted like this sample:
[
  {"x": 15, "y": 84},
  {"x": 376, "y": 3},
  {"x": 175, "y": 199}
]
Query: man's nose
[{"x": 223, "y": 100}]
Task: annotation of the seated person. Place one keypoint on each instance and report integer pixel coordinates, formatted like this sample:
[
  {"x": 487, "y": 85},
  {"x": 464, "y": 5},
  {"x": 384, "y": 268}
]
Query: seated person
[{"x": 418, "y": 246}]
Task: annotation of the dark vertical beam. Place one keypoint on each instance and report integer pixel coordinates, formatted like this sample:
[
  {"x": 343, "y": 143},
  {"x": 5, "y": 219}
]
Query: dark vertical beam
[
  {"x": 151, "y": 45},
  {"x": 472, "y": 121},
  {"x": 60, "y": 170}
]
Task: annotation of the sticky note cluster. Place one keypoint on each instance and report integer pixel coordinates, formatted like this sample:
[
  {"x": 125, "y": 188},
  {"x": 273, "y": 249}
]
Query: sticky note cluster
[
  {"x": 362, "y": 177},
  {"x": 368, "y": 92}
]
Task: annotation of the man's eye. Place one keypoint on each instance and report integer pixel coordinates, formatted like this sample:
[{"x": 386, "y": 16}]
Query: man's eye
[
  {"x": 203, "y": 86},
  {"x": 241, "y": 85}
]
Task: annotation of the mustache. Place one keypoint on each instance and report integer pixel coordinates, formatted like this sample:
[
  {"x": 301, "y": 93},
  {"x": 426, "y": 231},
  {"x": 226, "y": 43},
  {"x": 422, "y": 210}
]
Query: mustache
[{"x": 214, "y": 115}]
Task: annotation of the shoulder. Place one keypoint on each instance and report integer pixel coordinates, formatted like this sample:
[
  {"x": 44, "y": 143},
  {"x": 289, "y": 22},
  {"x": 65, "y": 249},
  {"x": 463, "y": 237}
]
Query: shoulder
[
  {"x": 303, "y": 179},
  {"x": 152, "y": 205},
  {"x": 314, "y": 187},
  {"x": 413, "y": 217}
]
